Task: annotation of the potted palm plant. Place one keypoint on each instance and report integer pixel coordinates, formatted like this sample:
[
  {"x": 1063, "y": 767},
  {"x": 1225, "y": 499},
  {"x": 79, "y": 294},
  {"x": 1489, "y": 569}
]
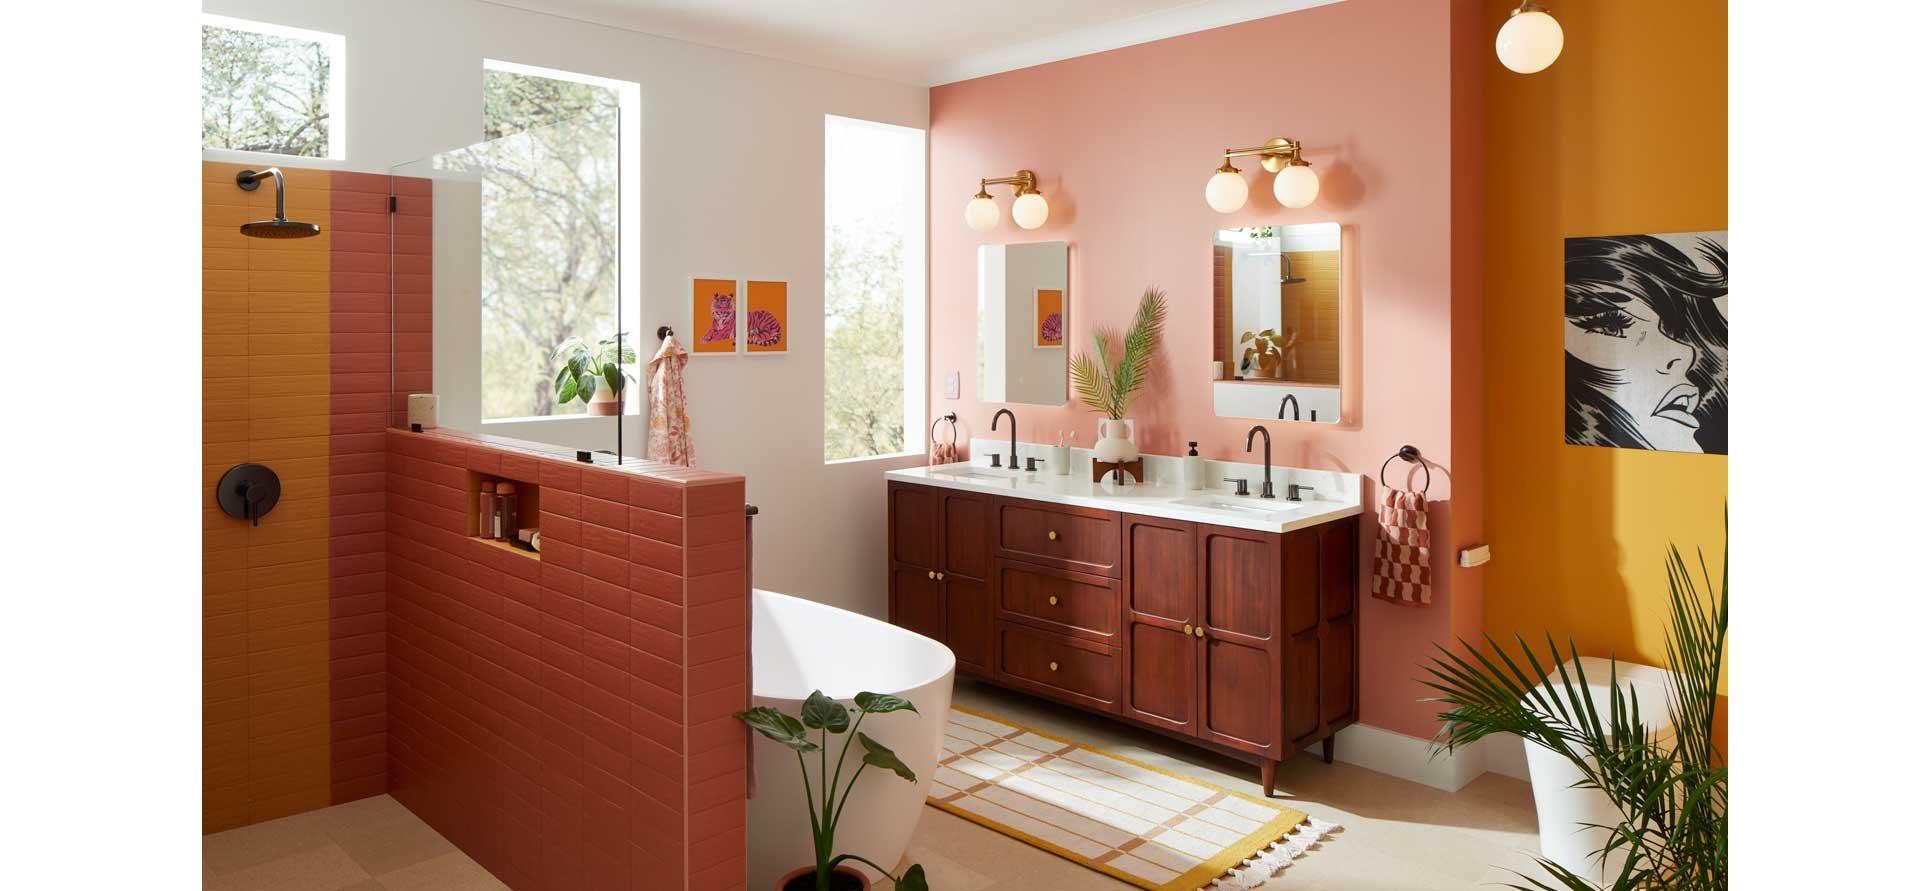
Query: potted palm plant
[
  {"x": 830, "y": 718},
  {"x": 1109, "y": 386},
  {"x": 596, "y": 374},
  {"x": 1671, "y": 796}
]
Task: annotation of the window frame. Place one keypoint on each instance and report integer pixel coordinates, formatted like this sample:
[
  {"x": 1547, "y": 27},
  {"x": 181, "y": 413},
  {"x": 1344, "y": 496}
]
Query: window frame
[
  {"x": 627, "y": 280},
  {"x": 336, "y": 46},
  {"x": 914, "y": 337}
]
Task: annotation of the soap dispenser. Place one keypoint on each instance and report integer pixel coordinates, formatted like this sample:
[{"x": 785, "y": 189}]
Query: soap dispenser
[{"x": 1193, "y": 468}]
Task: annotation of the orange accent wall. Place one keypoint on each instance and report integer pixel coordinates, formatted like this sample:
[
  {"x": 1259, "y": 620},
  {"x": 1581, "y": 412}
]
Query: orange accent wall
[
  {"x": 1626, "y": 133},
  {"x": 264, "y": 605}
]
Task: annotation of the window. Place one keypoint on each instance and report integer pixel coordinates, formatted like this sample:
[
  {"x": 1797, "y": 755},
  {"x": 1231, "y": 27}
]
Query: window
[
  {"x": 875, "y": 289},
  {"x": 266, "y": 88},
  {"x": 557, "y": 217}
]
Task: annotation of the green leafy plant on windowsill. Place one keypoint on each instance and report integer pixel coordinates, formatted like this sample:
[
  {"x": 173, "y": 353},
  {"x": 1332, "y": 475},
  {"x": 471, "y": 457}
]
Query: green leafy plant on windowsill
[
  {"x": 1672, "y": 797},
  {"x": 1109, "y": 387},
  {"x": 822, "y": 713},
  {"x": 586, "y": 369}
]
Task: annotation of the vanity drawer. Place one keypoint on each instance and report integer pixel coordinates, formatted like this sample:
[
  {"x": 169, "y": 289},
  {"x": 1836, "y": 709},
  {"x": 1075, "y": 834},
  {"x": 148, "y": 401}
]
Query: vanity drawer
[
  {"x": 1066, "y": 668},
  {"x": 1080, "y": 539},
  {"x": 1070, "y": 603}
]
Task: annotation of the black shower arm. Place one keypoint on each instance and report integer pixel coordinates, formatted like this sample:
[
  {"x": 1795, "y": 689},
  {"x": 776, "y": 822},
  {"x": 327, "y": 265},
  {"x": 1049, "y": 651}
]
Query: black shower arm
[{"x": 250, "y": 180}]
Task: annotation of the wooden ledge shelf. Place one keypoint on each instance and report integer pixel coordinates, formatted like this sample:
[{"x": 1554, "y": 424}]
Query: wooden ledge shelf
[{"x": 532, "y": 555}]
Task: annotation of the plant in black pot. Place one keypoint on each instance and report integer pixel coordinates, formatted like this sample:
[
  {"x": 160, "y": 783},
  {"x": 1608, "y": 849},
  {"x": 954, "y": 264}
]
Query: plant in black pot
[{"x": 825, "y": 806}]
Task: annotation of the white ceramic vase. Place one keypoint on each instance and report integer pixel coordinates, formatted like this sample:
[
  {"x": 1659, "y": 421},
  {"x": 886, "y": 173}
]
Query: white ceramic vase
[{"x": 1114, "y": 442}]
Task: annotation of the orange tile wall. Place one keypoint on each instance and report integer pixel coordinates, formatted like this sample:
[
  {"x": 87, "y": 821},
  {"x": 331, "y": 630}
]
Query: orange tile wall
[{"x": 265, "y": 597}]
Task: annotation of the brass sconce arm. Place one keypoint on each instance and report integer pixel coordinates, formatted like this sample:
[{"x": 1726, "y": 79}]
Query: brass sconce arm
[
  {"x": 1278, "y": 152},
  {"x": 1023, "y": 183}
]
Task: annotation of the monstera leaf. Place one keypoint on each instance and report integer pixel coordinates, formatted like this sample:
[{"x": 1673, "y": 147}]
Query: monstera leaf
[
  {"x": 780, "y": 728},
  {"x": 820, "y": 711},
  {"x": 882, "y": 757}
]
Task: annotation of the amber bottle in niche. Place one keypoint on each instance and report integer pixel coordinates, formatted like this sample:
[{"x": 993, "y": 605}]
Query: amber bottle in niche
[{"x": 507, "y": 520}]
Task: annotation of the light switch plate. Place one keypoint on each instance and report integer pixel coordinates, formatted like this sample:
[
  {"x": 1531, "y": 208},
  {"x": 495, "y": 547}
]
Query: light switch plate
[{"x": 953, "y": 385}]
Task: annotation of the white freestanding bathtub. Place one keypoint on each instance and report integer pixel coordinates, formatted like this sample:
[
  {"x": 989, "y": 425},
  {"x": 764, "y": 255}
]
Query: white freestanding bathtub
[{"x": 800, "y": 646}]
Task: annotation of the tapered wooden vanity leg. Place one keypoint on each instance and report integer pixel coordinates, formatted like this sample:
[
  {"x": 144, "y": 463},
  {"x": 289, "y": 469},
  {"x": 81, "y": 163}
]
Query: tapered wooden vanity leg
[
  {"x": 1266, "y": 776},
  {"x": 1326, "y": 749}
]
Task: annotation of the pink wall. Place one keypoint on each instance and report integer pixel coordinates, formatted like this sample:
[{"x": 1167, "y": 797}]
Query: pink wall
[{"x": 1123, "y": 143}]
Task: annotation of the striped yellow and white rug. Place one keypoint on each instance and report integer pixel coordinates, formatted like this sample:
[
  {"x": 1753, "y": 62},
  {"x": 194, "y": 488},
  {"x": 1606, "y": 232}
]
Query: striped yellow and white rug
[{"x": 1142, "y": 825}]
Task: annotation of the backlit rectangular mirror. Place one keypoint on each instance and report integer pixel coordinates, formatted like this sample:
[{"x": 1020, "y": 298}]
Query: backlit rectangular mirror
[
  {"x": 1023, "y": 323},
  {"x": 1276, "y": 322}
]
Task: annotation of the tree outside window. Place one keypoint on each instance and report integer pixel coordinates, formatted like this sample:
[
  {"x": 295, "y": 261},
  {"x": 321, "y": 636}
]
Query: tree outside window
[{"x": 269, "y": 89}]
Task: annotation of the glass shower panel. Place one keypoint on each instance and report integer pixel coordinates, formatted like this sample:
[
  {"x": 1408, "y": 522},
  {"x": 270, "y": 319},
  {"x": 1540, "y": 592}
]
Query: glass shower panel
[{"x": 508, "y": 290}]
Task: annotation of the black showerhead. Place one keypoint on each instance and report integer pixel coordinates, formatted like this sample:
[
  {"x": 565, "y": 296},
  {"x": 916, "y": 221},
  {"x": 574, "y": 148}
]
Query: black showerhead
[
  {"x": 279, "y": 226},
  {"x": 279, "y": 229}
]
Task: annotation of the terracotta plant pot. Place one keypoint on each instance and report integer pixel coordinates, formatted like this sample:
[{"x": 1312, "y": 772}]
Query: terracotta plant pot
[
  {"x": 801, "y": 879},
  {"x": 604, "y": 402}
]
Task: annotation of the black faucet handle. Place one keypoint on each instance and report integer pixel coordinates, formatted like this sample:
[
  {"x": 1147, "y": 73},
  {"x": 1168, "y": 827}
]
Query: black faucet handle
[
  {"x": 995, "y": 457},
  {"x": 1239, "y": 485},
  {"x": 1294, "y": 490},
  {"x": 1034, "y": 463}
]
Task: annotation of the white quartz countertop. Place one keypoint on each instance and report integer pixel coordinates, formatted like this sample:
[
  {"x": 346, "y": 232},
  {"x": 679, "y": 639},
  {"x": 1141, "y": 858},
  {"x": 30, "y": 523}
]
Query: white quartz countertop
[{"x": 1216, "y": 506}]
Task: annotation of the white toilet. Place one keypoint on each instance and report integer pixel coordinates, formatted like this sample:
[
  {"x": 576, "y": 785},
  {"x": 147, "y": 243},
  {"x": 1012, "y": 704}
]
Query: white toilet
[{"x": 1565, "y": 812}]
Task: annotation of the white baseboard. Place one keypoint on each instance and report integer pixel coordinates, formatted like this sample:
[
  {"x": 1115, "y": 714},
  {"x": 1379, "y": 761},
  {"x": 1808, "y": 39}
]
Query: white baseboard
[
  {"x": 1505, "y": 753},
  {"x": 1410, "y": 757}
]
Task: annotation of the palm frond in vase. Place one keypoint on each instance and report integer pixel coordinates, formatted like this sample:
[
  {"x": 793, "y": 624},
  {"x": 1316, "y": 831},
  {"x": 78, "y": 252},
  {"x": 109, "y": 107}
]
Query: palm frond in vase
[
  {"x": 1108, "y": 386},
  {"x": 1672, "y": 795}
]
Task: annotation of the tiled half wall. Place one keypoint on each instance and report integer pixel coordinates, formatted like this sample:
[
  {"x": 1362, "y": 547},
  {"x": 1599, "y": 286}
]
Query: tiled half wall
[{"x": 565, "y": 720}]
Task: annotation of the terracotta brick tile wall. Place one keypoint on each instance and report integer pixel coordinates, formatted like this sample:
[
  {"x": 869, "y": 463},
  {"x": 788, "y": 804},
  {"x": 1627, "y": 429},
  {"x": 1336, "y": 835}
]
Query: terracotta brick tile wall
[
  {"x": 264, "y": 589},
  {"x": 567, "y": 720}
]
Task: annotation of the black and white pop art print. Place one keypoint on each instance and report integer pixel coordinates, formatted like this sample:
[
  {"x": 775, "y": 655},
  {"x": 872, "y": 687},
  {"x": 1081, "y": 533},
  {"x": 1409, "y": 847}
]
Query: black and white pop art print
[{"x": 1646, "y": 339}]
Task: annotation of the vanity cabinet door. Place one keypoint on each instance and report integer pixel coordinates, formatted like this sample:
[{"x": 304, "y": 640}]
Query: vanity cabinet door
[
  {"x": 966, "y": 548},
  {"x": 1340, "y": 632},
  {"x": 1240, "y": 651},
  {"x": 964, "y": 571},
  {"x": 912, "y": 512},
  {"x": 969, "y": 623},
  {"x": 1161, "y": 608},
  {"x": 914, "y": 602}
]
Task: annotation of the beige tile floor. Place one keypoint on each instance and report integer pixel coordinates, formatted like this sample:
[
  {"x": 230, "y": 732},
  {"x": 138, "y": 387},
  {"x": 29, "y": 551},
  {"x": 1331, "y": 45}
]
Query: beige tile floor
[{"x": 1399, "y": 836}]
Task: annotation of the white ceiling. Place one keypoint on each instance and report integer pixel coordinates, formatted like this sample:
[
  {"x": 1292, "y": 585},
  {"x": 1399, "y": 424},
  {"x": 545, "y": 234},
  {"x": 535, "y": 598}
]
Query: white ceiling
[{"x": 925, "y": 42}]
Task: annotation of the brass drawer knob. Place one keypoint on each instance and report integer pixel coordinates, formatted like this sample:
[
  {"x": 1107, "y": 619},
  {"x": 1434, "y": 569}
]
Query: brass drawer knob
[
  {"x": 1053, "y": 666},
  {"x": 1186, "y": 629},
  {"x": 943, "y": 576},
  {"x": 931, "y": 574},
  {"x": 1052, "y": 535},
  {"x": 1053, "y": 601},
  {"x": 1199, "y": 632}
]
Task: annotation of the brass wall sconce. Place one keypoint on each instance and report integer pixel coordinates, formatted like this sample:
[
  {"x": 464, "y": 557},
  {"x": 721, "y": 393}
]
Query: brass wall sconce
[
  {"x": 1294, "y": 182},
  {"x": 1029, "y": 208}
]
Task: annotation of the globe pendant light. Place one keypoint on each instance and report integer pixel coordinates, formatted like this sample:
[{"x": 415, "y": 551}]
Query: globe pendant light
[
  {"x": 1296, "y": 185},
  {"x": 982, "y": 213},
  {"x": 1030, "y": 210},
  {"x": 1227, "y": 190},
  {"x": 1530, "y": 40}
]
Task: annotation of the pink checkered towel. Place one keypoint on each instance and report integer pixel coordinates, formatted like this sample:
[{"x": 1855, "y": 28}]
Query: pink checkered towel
[{"x": 1403, "y": 549}]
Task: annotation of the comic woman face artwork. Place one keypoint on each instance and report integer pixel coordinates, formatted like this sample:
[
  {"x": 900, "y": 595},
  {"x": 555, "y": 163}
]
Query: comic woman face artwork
[{"x": 1646, "y": 342}]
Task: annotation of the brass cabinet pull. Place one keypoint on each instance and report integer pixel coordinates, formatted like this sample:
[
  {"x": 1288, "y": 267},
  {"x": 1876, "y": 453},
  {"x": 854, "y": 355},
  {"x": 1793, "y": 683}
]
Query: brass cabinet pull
[
  {"x": 1053, "y": 601},
  {"x": 1053, "y": 666},
  {"x": 1052, "y": 535},
  {"x": 931, "y": 574},
  {"x": 1186, "y": 629},
  {"x": 943, "y": 576},
  {"x": 1199, "y": 632}
]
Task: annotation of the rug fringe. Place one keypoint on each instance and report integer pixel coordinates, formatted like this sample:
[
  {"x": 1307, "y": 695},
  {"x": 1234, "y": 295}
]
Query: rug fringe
[{"x": 1269, "y": 861}]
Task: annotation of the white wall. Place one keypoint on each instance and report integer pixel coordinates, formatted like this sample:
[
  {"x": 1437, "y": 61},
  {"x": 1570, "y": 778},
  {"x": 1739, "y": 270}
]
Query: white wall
[{"x": 731, "y": 160}]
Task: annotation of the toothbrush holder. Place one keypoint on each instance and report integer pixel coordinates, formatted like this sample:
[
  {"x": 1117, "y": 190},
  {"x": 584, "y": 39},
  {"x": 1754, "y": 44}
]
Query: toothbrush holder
[{"x": 1060, "y": 458}]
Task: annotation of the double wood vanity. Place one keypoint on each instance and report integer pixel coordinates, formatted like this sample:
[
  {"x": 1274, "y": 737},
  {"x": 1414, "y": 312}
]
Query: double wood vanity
[{"x": 1242, "y": 639}]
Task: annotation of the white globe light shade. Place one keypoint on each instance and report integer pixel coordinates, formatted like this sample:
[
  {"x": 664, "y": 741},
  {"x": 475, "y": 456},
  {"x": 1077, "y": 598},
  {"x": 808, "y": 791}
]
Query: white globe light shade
[
  {"x": 1296, "y": 185},
  {"x": 1529, "y": 42},
  {"x": 1227, "y": 191},
  {"x": 1030, "y": 211},
  {"x": 982, "y": 214}
]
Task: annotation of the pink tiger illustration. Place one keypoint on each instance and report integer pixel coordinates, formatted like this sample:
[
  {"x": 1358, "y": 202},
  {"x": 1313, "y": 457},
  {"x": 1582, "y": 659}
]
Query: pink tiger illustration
[
  {"x": 722, "y": 328},
  {"x": 763, "y": 330}
]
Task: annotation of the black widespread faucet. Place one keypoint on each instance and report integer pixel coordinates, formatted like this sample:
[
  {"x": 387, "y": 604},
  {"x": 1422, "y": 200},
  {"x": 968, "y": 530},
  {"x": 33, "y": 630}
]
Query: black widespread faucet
[
  {"x": 1266, "y": 457},
  {"x": 1013, "y": 436},
  {"x": 1296, "y": 407}
]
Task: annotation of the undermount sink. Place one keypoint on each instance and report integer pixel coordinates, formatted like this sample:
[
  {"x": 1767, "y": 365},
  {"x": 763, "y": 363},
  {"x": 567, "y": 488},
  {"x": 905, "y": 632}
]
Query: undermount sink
[
  {"x": 964, "y": 471},
  {"x": 1240, "y": 504}
]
